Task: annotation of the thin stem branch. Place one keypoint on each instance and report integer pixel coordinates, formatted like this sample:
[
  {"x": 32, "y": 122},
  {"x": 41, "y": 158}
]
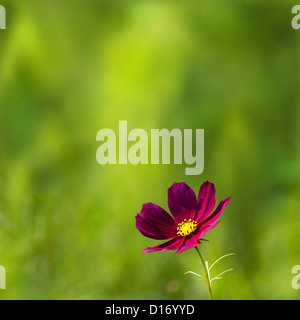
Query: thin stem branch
[
  {"x": 225, "y": 255},
  {"x": 206, "y": 274}
]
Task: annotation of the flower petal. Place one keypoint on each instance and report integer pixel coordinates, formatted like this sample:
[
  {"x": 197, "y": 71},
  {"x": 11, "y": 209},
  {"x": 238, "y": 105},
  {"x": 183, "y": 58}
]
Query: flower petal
[
  {"x": 215, "y": 215},
  {"x": 151, "y": 230},
  {"x": 190, "y": 242},
  {"x": 154, "y": 222},
  {"x": 181, "y": 199},
  {"x": 206, "y": 200},
  {"x": 158, "y": 213},
  {"x": 194, "y": 239},
  {"x": 209, "y": 227},
  {"x": 169, "y": 245}
]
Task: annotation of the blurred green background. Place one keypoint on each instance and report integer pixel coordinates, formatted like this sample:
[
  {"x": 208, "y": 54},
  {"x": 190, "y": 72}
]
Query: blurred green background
[{"x": 70, "y": 68}]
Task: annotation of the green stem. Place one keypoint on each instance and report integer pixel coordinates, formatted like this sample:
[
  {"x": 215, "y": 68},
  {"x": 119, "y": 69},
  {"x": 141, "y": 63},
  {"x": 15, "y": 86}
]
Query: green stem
[{"x": 206, "y": 274}]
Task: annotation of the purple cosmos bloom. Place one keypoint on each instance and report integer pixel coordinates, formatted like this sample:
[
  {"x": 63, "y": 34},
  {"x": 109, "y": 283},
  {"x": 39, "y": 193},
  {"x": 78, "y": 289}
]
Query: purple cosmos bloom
[{"x": 192, "y": 217}]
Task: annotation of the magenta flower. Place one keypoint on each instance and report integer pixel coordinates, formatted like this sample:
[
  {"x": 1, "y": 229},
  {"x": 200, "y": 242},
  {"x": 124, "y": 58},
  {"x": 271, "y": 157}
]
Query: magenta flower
[{"x": 192, "y": 217}]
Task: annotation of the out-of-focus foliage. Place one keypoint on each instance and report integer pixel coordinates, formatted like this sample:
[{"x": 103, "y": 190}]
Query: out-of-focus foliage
[{"x": 70, "y": 68}]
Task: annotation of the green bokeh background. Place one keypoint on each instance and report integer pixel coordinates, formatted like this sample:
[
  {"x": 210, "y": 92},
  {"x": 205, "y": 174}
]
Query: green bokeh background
[{"x": 70, "y": 68}]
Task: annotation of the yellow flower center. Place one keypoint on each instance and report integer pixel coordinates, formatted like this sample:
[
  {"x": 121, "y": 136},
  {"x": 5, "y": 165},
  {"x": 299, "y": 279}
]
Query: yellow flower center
[{"x": 186, "y": 227}]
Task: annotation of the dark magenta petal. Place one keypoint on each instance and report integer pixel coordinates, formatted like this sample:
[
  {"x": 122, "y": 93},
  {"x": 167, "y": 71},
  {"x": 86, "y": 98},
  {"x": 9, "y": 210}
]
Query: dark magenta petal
[
  {"x": 206, "y": 200},
  {"x": 169, "y": 245},
  {"x": 194, "y": 239},
  {"x": 190, "y": 242},
  {"x": 155, "y": 236},
  {"x": 181, "y": 199},
  {"x": 215, "y": 215},
  {"x": 154, "y": 229},
  {"x": 158, "y": 213},
  {"x": 154, "y": 222},
  {"x": 209, "y": 227}
]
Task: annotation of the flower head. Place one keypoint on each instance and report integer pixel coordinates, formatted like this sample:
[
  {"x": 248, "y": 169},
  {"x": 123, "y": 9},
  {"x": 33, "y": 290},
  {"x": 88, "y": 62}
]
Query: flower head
[{"x": 191, "y": 217}]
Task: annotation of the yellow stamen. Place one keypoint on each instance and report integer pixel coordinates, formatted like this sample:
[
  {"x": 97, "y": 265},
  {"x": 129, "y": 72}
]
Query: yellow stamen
[{"x": 186, "y": 227}]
